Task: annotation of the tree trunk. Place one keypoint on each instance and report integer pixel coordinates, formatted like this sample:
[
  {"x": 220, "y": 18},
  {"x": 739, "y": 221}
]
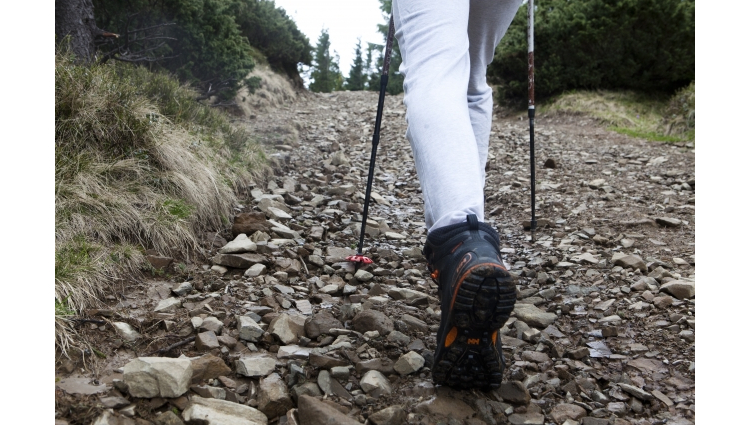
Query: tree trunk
[{"x": 76, "y": 18}]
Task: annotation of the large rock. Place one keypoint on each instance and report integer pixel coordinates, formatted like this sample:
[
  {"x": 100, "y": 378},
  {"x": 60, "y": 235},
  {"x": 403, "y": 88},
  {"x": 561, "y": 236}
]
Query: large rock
[
  {"x": 680, "y": 289},
  {"x": 249, "y": 223},
  {"x": 239, "y": 245},
  {"x": 514, "y": 392},
  {"x": 533, "y": 316},
  {"x": 530, "y": 418},
  {"x": 312, "y": 411},
  {"x": 409, "y": 363},
  {"x": 630, "y": 261},
  {"x": 149, "y": 377},
  {"x": 288, "y": 329},
  {"x": 238, "y": 261},
  {"x": 208, "y": 367},
  {"x": 372, "y": 320},
  {"x": 206, "y": 341},
  {"x": 445, "y": 405},
  {"x": 273, "y": 398},
  {"x": 210, "y": 411},
  {"x": 394, "y": 415},
  {"x": 255, "y": 366},
  {"x": 564, "y": 411},
  {"x": 321, "y": 323},
  {"x": 167, "y": 305},
  {"x": 375, "y": 384},
  {"x": 249, "y": 330}
]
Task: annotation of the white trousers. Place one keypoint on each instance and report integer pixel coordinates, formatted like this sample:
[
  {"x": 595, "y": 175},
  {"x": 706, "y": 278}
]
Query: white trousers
[{"x": 446, "y": 46}]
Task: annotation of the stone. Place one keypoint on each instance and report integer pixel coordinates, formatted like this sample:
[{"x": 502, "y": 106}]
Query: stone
[
  {"x": 663, "y": 398},
  {"x": 636, "y": 392},
  {"x": 414, "y": 324},
  {"x": 338, "y": 255},
  {"x": 213, "y": 324},
  {"x": 205, "y": 341},
  {"x": 409, "y": 363},
  {"x": 394, "y": 236},
  {"x": 249, "y": 223},
  {"x": 382, "y": 365},
  {"x": 535, "y": 356},
  {"x": 618, "y": 408},
  {"x": 167, "y": 305},
  {"x": 273, "y": 398},
  {"x": 207, "y": 391},
  {"x": 238, "y": 261},
  {"x": 239, "y": 245},
  {"x": 532, "y": 418},
  {"x": 668, "y": 221},
  {"x": 550, "y": 163},
  {"x": 533, "y": 316},
  {"x": 375, "y": 384},
  {"x": 631, "y": 261},
  {"x": 588, "y": 420},
  {"x": 363, "y": 276},
  {"x": 321, "y": 323},
  {"x": 114, "y": 402},
  {"x": 255, "y": 366},
  {"x": 564, "y": 411},
  {"x": 148, "y": 377},
  {"x": 248, "y": 329},
  {"x": 308, "y": 388},
  {"x": 406, "y": 294},
  {"x": 110, "y": 418},
  {"x": 680, "y": 289},
  {"x": 312, "y": 411},
  {"x": 255, "y": 270},
  {"x": 340, "y": 372},
  {"x": 597, "y": 183},
  {"x": 397, "y": 337},
  {"x": 325, "y": 362},
  {"x": 278, "y": 214},
  {"x": 208, "y": 367},
  {"x": 663, "y": 302},
  {"x": 126, "y": 331},
  {"x": 288, "y": 329},
  {"x": 372, "y": 320},
  {"x": 182, "y": 289},
  {"x": 210, "y": 411},
  {"x": 393, "y": 415},
  {"x": 168, "y": 418},
  {"x": 446, "y": 405},
  {"x": 159, "y": 262},
  {"x": 514, "y": 392}
]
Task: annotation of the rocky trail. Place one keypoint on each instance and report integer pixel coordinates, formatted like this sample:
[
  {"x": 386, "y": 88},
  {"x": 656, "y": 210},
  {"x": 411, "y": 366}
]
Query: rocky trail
[{"x": 272, "y": 326}]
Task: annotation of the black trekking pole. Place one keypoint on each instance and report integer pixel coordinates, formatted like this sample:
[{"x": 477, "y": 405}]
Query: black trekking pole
[
  {"x": 359, "y": 257},
  {"x": 530, "y": 6}
]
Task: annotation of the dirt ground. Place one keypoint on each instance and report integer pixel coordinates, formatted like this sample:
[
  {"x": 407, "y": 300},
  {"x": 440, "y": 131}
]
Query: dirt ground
[{"x": 610, "y": 271}]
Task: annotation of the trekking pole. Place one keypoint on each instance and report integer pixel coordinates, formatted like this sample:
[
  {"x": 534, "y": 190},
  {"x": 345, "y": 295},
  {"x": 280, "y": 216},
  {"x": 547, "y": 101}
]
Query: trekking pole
[
  {"x": 359, "y": 257},
  {"x": 530, "y": 6}
]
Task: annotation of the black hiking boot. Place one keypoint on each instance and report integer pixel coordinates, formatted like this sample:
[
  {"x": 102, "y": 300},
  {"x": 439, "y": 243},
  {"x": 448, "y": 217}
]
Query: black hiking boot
[{"x": 477, "y": 295}]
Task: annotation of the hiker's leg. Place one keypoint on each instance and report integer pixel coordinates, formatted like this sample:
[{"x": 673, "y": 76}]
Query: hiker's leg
[
  {"x": 488, "y": 22},
  {"x": 434, "y": 45}
]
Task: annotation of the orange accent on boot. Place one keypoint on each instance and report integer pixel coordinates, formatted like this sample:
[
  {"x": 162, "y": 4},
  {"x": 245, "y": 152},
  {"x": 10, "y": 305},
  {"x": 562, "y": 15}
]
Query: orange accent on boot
[
  {"x": 434, "y": 275},
  {"x": 456, "y": 247},
  {"x": 451, "y": 336},
  {"x": 494, "y": 338},
  {"x": 473, "y": 341}
]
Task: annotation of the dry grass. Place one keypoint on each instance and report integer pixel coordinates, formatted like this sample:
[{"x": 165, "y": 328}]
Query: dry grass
[
  {"x": 275, "y": 90},
  {"x": 138, "y": 165},
  {"x": 653, "y": 118}
]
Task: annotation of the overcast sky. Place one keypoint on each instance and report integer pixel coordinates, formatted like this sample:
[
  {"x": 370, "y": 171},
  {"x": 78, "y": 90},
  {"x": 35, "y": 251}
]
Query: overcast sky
[{"x": 345, "y": 19}]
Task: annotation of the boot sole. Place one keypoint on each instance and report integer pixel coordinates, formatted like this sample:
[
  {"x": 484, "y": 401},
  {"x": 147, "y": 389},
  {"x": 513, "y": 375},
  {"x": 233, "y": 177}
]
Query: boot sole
[{"x": 482, "y": 303}]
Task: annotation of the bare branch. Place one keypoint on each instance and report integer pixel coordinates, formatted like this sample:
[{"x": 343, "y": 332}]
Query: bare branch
[{"x": 149, "y": 28}]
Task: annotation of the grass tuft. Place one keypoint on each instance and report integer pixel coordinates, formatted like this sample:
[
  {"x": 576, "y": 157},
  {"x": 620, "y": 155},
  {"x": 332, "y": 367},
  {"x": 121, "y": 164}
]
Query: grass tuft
[
  {"x": 139, "y": 164},
  {"x": 654, "y": 118}
]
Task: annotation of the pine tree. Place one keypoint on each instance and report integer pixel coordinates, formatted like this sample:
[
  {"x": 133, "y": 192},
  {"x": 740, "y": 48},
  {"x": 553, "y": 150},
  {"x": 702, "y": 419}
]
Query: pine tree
[
  {"x": 356, "y": 79},
  {"x": 325, "y": 74},
  {"x": 395, "y": 79}
]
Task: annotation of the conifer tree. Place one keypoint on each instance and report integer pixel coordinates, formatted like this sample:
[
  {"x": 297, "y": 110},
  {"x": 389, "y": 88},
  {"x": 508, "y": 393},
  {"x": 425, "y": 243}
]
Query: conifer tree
[
  {"x": 356, "y": 79},
  {"x": 325, "y": 76}
]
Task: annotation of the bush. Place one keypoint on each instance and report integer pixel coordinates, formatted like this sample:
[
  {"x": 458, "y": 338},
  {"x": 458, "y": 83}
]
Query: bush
[
  {"x": 271, "y": 31},
  {"x": 203, "y": 47},
  {"x": 641, "y": 45}
]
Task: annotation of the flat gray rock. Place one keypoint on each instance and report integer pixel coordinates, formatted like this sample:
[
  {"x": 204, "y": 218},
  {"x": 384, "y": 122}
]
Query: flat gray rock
[
  {"x": 209, "y": 411},
  {"x": 148, "y": 377}
]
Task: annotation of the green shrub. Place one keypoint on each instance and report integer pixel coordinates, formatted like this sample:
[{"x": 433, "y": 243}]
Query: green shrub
[{"x": 642, "y": 45}]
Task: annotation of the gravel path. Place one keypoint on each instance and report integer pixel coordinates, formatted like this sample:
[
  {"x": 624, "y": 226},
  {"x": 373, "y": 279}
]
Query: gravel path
[{"x": 603, "y": 332}]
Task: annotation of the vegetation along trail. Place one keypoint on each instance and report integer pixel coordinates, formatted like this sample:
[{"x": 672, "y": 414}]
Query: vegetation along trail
[{"x": 275, "y": 327}]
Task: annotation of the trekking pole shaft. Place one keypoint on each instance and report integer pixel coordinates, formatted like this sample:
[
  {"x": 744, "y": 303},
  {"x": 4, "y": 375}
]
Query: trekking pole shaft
[
  {"x": 532, "y": 111},
  {"x": 371, "y": 173}
]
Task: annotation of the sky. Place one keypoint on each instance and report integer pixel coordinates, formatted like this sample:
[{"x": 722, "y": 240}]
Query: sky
[{"x": 345, "y": 19}]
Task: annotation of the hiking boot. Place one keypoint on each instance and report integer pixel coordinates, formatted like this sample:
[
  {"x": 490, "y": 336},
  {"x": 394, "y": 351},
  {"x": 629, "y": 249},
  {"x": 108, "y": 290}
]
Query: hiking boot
[{"x": 477, "y": 295}]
